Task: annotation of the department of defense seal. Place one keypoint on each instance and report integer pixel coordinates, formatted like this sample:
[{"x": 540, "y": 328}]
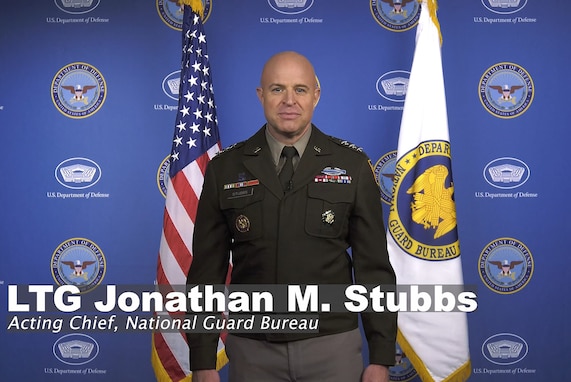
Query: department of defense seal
[
  {"x": 506, "y": 90},
  {"x": 402, "y": 370},
  {"x": 396, "y": 15},
  {"x": 505, "y": 265},
  {"x": 422, "y": 217},
  {"x": 78, "y": 90},
  {"x": 78, "y": 262},
  {"x": 172, "y": 13},
  {"x": 163, "y": 177},
  {"x": 384, "y": 171}
]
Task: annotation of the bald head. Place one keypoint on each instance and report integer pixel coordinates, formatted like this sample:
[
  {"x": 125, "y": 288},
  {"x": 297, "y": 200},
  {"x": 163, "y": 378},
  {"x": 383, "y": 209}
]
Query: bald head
[
  {"x": 288, "y": 92},
  {"x": 288, "y": 60}
]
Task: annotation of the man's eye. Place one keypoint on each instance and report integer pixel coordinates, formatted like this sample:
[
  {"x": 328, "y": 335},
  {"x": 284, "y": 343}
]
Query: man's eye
[
  {"x": 301, "y": 90},
  {"x": 276, "y": 90}
]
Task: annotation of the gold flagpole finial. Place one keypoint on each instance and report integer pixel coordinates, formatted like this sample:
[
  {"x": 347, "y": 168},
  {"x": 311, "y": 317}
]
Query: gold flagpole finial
[{"x": 195, "y": 5}]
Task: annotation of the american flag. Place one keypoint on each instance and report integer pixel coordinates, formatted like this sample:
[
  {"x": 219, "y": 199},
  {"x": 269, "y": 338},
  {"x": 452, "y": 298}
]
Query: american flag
[{"x": 196, "y": 140}]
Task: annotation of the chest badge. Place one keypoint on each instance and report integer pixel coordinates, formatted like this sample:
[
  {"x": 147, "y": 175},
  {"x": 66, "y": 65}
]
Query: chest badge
[
  {"x": 242, "y": 184},
  {"x": 333, "y": 175},
  {"x": 328, "y": 217},
  {"x": 333, "y": 171},
  {"x": 242, "y": 223}
]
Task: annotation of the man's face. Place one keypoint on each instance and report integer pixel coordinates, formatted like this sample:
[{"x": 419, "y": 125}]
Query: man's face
[{"x": 288, "y": 93}]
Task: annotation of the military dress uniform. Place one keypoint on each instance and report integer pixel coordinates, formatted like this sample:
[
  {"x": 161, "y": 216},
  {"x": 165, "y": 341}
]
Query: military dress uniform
[{"x": 296, "y": 237}]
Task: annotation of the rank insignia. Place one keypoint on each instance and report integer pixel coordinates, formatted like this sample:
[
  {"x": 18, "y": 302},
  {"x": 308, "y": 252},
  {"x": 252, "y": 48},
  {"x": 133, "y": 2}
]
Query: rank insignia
[
  {"x": 242, "y": 223},
  {"x": 245, "y": 183},
  {"x": 328, "y": 217}
]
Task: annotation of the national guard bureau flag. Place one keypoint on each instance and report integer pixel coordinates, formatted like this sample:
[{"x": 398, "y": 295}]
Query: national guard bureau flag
[
  {"x": 422, "y": 237},
  {"x": 196, "y": 140}
]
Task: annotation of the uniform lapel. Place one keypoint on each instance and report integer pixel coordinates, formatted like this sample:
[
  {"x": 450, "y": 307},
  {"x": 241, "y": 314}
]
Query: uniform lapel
[
  {"x": 258, "y": 160},
  {"x": 316, "y": 156}
]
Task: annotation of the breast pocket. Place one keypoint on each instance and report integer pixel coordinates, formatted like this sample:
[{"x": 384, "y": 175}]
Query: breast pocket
[
  {"x": 243, "y": 211},
  {"x": 328, "y": 209}
]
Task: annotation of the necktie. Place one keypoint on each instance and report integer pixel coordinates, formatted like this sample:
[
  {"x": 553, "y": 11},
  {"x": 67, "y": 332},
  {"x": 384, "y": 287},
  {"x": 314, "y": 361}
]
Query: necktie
[{"x": 287, "y": 170}]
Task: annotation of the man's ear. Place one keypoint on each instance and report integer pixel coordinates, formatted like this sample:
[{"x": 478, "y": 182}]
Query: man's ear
[{"x": 260, "y": 92}]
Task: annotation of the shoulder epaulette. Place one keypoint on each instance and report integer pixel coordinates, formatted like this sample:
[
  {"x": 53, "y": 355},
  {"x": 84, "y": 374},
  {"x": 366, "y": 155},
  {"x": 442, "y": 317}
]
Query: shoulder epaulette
[
  {"x": 347, "y": 144},
  {"x": 229, "y": 148}
]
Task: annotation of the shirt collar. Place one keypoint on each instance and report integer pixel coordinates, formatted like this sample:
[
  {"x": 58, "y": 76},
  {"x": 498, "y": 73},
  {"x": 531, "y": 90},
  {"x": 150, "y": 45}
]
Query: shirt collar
[{"x": 276, "y": 147}]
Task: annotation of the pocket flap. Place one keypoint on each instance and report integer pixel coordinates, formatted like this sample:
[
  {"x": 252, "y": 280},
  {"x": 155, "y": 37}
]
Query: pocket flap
[{"x": 332, "y": 192}]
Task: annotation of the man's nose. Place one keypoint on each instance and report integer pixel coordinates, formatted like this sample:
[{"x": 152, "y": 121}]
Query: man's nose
[{"x": 289, "y": 97}]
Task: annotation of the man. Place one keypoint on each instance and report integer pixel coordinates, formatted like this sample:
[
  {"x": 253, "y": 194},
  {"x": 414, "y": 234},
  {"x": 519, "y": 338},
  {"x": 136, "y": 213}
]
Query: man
[{"x": 293, "y": 229}]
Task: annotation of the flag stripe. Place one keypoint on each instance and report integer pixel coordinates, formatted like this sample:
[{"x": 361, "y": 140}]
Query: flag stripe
[
  {"x": 187, "y": 185},
  {"x": 182, "y": 223},
  {"x": 168, "y": 360},
  {"x": 173, "y": 270}
]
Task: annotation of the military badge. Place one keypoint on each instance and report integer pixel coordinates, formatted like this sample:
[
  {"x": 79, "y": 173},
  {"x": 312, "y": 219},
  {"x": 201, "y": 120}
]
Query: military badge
[
  {"x": 328, "y": 217},
  {"x": 332, "y": 175},
  {"x": 246, "y": 183},
  {"x": 333, "y": 171},
  {"x": 242, "y": 223},
  {"x": 332, "y": 179}
]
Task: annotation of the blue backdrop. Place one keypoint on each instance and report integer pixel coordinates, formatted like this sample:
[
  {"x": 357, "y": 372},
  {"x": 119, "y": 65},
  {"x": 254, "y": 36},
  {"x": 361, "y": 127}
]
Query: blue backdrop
[{"x": 83, "y": 166}]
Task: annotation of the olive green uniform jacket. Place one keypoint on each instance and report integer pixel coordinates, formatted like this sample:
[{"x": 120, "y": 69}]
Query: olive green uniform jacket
[{"x": 298, "y": 237}]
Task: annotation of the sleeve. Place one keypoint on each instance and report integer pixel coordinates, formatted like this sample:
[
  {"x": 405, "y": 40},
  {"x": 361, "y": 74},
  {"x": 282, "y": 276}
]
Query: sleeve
[
  {"x": 211, "y": 254},
  {"x": 371, "y": 264}
]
